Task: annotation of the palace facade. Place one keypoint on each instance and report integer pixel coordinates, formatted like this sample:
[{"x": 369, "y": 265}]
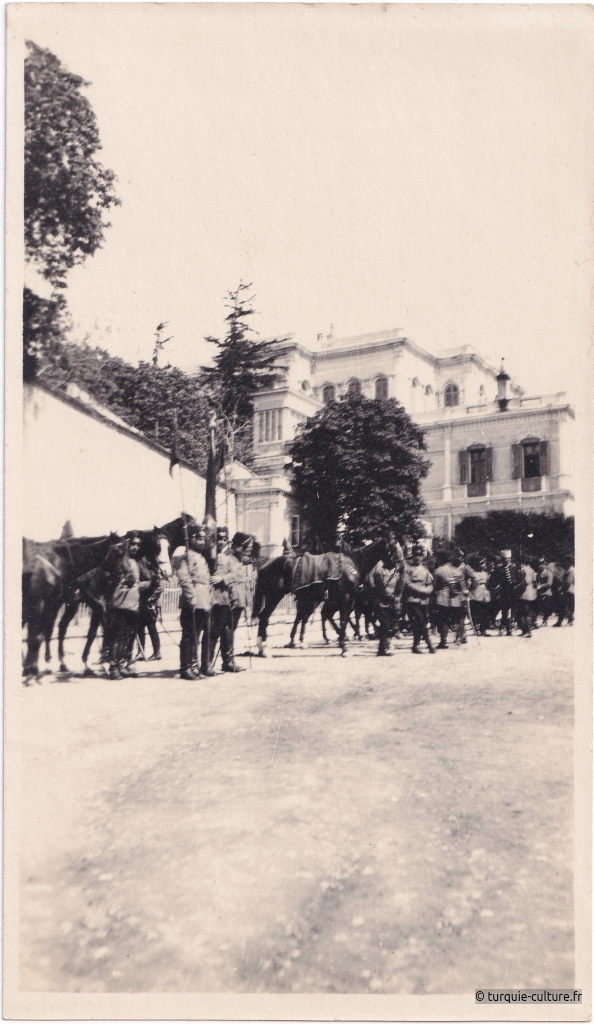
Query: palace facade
[{"x": 490, "y": 445}]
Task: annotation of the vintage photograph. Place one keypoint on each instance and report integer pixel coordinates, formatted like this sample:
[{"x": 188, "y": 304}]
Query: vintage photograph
[{"x": 298, "y": 476}]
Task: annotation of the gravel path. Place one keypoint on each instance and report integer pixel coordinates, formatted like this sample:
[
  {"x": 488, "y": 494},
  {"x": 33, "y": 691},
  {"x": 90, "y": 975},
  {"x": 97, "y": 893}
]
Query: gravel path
[{"x": 315, "y": 824}]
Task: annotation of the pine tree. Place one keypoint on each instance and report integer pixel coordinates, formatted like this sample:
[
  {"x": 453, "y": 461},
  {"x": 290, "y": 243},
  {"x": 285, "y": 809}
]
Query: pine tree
[{"x": 241, "y": 366}]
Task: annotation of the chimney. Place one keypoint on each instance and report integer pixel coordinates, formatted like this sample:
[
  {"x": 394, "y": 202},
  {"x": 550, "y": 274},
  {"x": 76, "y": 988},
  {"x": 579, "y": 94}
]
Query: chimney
[{"x": 503, "y": 379}]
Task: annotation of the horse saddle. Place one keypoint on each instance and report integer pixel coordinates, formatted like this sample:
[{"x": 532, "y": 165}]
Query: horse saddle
[{"x": 318, "y": 568}]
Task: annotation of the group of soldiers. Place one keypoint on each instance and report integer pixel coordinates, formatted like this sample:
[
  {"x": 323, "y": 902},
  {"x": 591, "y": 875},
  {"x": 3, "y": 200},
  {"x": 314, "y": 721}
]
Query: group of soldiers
[
  {"x": 430, "y": 598},
  {"x": 492, "y": 593},
  {"x": 211, "y": 604}
]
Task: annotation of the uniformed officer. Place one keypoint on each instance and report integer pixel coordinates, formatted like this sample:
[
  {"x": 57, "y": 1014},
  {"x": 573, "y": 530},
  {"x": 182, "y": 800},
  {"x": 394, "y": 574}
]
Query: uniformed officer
[
  {"x": 544, "y": 591},
  {"x": 449, "y": 583},
  {"x": 191, "y": 568},
  {"x": 148, "y": 609},
  {"x": 417, "y": 587},
  {"x": 385, "y": 582},
  {"x": 122, "y": 566},
  {"x": 505, "y": 582},
  {"x": 526, "y": 596},
  {"x": 230, "y": 593},
  {"x": 479, "y": 595}
]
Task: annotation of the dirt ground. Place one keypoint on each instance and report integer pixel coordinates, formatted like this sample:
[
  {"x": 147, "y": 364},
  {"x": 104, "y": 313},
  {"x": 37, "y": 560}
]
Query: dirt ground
[{"x": 314, "y": 824}]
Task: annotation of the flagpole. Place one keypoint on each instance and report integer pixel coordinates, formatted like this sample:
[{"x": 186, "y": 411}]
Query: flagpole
[{"x": 184, "y": 523}]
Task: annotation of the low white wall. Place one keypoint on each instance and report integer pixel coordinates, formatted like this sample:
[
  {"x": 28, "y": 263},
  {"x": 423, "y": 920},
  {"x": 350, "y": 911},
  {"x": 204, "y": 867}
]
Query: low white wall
[{"x": 101, "y": 478}]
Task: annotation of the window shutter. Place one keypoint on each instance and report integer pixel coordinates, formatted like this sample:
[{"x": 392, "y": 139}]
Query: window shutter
[
  {"x": 488, "y": 463},
  {"x": 517, "y": 461},
  {"x": 463, "y": 462},
  {"x": 544, "y": 458}
]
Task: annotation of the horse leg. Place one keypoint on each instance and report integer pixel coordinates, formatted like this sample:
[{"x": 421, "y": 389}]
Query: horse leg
[
  {"x": 291, "y": 642},
  {"x": 67, "y": 617},
  {"x": 35, "y": 636},
  {"x": 263, "y": 619},
  {"x": 49, "y": 617},
  {"x": 96, "y": 619},
  {"x": 324, "y": 620},
  {"x": 346, "y": 607}
]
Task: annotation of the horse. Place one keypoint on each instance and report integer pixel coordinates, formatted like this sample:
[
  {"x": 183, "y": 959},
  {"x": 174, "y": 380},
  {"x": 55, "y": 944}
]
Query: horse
[
  {"x": 93, "y": 588},
  {"x": 362, "y": 608},
  {"x": 54, "y": 568},
  {"x": 277, "y": 578}
]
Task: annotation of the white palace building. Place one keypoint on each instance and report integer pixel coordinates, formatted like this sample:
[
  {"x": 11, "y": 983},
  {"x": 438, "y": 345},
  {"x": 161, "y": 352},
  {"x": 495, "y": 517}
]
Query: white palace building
[{"x": 491, "y": 446}]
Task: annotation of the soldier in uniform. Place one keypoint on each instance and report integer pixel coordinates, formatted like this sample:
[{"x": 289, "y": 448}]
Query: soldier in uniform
[
  {"x": 230, "y": 594},
  {"x": 417, "y": 588},
  {"x": 544, "y": 592},
  {"x": 147, "y": 611},
  {"x": 565, "y": 598},
  {"x": 122, "y": 566},
  {"x": 526, "y": 597},
  {"x": 449, "y": 583},
  {"x": 191, "y": 568},
  {"x": 505, "y": 581},
  {"x": 385, "y": 587},
  {"x": 479, "y": 595}
]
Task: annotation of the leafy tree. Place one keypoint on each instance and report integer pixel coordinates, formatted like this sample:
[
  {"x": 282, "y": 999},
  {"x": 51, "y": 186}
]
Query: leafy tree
[
  {"x": 144, "y": 396},
  {"x": 359, "y": 461},
  {"x": 241, "y": 366},
  {"x": 67, "y": 190}
]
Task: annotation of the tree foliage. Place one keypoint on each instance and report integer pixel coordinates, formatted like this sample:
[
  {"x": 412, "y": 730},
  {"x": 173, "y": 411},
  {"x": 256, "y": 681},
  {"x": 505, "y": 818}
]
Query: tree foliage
[
  {"x": 144, "y": 395},
  {"x": 530, "y": 533},
  {"x": 241, "y": 366},
  {"x": 67, "y": 192},
  {"x": 359, "y": 460}
]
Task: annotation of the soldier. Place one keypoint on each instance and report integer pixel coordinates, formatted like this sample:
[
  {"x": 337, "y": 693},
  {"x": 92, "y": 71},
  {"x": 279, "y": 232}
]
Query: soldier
[
  {"x": 449, "y": 584},
  {"x": 417, "y": 587},
  {"x": 544, "y": 592},
  {"x": 558, "y": 590},
  {"x": 191, "y": 568},
  {"x": 230, "y": 593},
  {"x": 526, "y": 596},
  {"x": 505, "y": 580},
  {"x": 479, "y": 595},
  {"x": 124, "y": 602},
  {"x": 566, "y": 599},
  {"x": 385, "y": 585},
  {"x": 148, "y": 609}
]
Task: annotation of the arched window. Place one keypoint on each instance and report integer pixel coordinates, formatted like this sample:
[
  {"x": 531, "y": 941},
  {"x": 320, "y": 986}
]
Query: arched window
[
  {"x": 354, "y": 388},
  {"x": 381, "y": 387},
  {"x": 451, "y": 395},
  {"x": 328, "y": 393}
]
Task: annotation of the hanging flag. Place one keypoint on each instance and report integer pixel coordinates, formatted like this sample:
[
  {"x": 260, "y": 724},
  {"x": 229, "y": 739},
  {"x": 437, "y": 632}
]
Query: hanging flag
[
  {"x": 210, "y": 510},
  {"x": 212, "y": 471}
]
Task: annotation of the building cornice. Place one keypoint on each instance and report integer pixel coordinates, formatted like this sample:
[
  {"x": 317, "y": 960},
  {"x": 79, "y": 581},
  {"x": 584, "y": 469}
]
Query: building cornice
[
  {"x": 495, "y": 415},
  {"x": 340, "y": 353}
]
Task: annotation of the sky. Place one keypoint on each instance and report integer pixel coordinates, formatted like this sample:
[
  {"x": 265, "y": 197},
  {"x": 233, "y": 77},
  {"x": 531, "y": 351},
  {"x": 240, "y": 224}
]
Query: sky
[{"x": 366, "y": 166}]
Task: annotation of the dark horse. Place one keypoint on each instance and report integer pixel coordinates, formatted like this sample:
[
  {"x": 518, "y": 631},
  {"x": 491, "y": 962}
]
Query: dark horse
[
  {"x": 93, "y": 588},
  {"x": 277, "y": 578},
  {"x": 49, "y": 572}
]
